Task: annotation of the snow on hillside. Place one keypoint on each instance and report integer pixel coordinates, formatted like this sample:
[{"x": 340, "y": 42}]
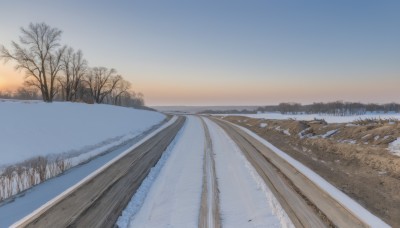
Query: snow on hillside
[
  {"x": 327, "y": 118},
  {"x": 31, "y": 129}
]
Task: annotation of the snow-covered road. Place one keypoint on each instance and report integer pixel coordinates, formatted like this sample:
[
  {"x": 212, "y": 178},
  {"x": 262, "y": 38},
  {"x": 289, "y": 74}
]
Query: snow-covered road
[{"x": 174, "y": 198}]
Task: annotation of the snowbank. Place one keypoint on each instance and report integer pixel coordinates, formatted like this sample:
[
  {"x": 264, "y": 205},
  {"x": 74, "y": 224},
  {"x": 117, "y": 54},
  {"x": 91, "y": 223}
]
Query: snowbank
[
  {"x": 338, "y": 195},
  {"x": 30, "y": 129},
  {"x": 394, "y": 147},
  {"x": 327, "y": 118}
]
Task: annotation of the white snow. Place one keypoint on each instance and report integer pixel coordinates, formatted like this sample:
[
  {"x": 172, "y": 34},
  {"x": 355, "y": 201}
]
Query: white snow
[
  {"x": 286, "y": 132},
  {"x": 245, "y": 200},
  {"x": 394, "y": 147},
  {"x": 342, "y": 198},
  {"x": 329, "y": 133},
  {"x": 31, "y": 129},
  {"x": 174, "y": 197},
  {"x": 263, "y": 125},
  {"x": 348, "y": 141},
  {"x": 327, "y": 118}
]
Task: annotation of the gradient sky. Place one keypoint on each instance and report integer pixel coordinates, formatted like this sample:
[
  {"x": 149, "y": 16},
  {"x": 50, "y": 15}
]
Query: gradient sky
[{"x": 228, "y": 52}]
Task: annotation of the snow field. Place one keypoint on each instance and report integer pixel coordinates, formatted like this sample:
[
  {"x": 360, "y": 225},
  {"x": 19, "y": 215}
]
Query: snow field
[
  {"x": 31, "y": 129},
  {"x": 42, "y": 140},
  {"x": 245, "y": 200},
  {"x": 174, "y": 197}
]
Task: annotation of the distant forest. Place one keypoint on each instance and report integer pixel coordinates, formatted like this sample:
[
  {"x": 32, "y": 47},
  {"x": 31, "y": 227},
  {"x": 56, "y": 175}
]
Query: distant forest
[{"x": 337, "y": 108}]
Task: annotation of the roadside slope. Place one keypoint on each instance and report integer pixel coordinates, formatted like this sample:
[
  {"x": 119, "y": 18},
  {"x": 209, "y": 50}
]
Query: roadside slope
[
  {"x": 99, "y": 198},
  {"x": 330, "y": 204}
]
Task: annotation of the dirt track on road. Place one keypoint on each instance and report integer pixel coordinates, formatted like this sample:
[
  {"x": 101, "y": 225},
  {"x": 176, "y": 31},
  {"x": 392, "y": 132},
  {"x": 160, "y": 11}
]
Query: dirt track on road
[{"x": 209, "y": 210}]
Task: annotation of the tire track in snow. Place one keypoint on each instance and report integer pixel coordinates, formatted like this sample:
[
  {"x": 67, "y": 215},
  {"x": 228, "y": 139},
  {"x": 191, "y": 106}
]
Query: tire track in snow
[{"x": 209, "y": 212}]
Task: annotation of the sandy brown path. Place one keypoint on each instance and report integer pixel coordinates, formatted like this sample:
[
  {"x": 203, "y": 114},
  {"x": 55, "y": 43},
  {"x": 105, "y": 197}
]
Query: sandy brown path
[
  {"x": 305, "y": 203},
  {"x": 99, "y": 201},
  {"x": 209, "y": 211}
]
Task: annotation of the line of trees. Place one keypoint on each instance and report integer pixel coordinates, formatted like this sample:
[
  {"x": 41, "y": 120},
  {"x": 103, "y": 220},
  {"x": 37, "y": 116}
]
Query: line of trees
[
  {"x": 58, "y": 72},
  {"x": 338, "y": 108}
]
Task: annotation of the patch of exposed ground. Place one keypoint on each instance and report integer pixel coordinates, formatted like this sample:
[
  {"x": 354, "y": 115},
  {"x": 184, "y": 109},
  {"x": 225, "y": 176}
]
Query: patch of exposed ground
[{"x": 354, "y": 156}]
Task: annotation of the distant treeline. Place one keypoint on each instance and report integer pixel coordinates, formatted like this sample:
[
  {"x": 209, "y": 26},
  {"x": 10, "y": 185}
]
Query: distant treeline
[
  {"x": 57, "y": 72},
  {"x": 338, "y": 108}
]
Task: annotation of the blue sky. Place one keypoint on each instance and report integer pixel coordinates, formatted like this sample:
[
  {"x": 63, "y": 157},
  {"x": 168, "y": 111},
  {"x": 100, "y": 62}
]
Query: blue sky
[{"x": 230, "y": 52}]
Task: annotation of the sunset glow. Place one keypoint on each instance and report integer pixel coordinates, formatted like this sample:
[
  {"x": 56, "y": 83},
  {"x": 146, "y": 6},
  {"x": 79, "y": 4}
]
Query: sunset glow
[
  {"x": 231, "y": 53},
  {"x": 9, "y": 78}
]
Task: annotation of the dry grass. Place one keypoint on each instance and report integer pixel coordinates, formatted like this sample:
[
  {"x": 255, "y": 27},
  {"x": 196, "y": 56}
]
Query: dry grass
[
  {"x": 17, "y": 178},
  {"x": 365, "y": 141},
  {"x": 374, "y": 121}
]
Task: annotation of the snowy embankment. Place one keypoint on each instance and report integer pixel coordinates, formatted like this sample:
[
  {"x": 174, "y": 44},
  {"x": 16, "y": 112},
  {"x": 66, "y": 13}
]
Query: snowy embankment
[
  {"x": 45, "y": 194},
  {"x": 40, "y": 140},
  {"x": 327, "y": 118},
  {"x": 170, "y": 195},
  {"x": 351, "y": 205}
]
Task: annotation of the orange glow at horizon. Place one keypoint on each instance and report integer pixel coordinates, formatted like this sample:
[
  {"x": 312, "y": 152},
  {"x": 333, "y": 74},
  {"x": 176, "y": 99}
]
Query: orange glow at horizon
[
  {"x": 192, "y": 91},
  {"x": 10, "y": 79},
  {"x": 263, "y": 94}
]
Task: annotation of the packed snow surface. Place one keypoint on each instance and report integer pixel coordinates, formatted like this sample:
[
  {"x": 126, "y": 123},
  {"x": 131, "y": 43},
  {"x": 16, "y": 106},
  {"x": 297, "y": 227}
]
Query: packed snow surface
[
  {"x": 346, "y": 201},
  {"x": 245, "y": 200},
  {"x": 174, "y": 197},
  {"x": 327, "y": 118},
  {"x": 30, "y": 129}
]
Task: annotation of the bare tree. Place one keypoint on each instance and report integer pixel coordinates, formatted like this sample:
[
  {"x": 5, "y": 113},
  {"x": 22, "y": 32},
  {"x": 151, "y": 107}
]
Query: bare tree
[
  {"x": 101, "y": 82},
  {"x": 122, "y": 88},
  {"x": 39, "y": 54},
  {"x": 74, "y": 67}
]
